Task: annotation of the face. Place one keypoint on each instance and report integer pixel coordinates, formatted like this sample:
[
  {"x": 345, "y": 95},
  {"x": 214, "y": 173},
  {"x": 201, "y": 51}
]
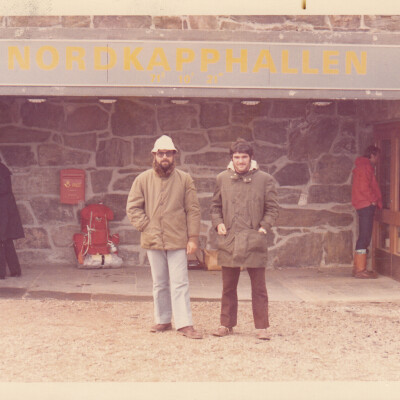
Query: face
[
  {"x": 164, "y": 158},
  {"x": 241, "y": 162},
  {"x": 374, "y": 158}
]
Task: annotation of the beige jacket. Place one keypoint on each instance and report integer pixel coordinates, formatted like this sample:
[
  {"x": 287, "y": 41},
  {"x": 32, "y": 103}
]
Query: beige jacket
[{"x": 165, "y": 210}]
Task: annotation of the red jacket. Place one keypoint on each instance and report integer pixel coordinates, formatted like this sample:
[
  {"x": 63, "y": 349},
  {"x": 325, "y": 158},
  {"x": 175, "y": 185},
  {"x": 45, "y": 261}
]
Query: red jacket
[{"x": 365, "y": 189}]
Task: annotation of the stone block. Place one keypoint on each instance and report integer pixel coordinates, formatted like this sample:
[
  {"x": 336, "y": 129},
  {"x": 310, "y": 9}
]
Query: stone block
[
  {"x": 129, "y": 236},
  {"x": 205, "y": 203},
  {"x": 348, "y": 128},
  {"x": 295, "y": 217},
  {"x": 214, "y": 115},
  {"x": 317, "y": 21},
  {"x": 244, "y": 114},
  {"x": 289, "y": 108},
  {"x": 177, "y": 117},
  {"x": 329, "y": 194},
  {"x": 313, "y": 138},
  {"x": 83, "y": 141},
  {"x": 122, "y": 21},
  {"x": 212, "y": 158},
  {"x": 33, "y": 21},
  {"x": 37, "y": 182},
  {"x": 18, "y": 156},
  {"x": 167, "y": 22},
  {"x": 113, "y": 153},
  {"x": 333, "y": 170},
  {"x": 345, "y": 21},
  {"x": 267, "y": 154},
  {"x": 62, "y": 236},
  {"x": 53, "y": 154},
  {"x": 347, "y": 108},
  {"x": 288, "y": 195},
  {"x": 75, "y": 21},
  {"x": 25, "y": 214},
  {"x": 13, "y": 134},
  {"x": 43, "y": 115},
  {"x": 5, "y": 113},
  {"x": 86, "y": 118},
  {"x": 189, "y": 141},
  {"x": 275, "y": 132},
  {"x": 100, "y": 180},
  {"x": 124, "y": 184},
  {"x": 50, "y": 210},
  {"x": 35, "y": 238},
  {"x": 205, "y": 185},
  {"x": 383, "y": 22},
  {"x": 203, "y": 22},
  {"x": 223, "y": 137},
  {"x": 293, "y": 174},
  {"x": 345, "y": 145},
  {"x": 142, "y": 151},
  {"x": 130, "y": 257},
  {"x": 287, "y": 254},
  {"x": 258, "y": 19},
  {"x": 338, "y": 247},
  {"x": 133, "y": 119}
]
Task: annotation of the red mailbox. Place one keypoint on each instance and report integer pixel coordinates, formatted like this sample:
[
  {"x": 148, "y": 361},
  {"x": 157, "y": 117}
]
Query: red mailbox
[{"x": 72, "y": 186}]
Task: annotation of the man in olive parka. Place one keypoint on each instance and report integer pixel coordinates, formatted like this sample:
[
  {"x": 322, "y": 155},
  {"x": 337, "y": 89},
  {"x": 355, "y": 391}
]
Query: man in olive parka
[{"x": 243, "y": 209}]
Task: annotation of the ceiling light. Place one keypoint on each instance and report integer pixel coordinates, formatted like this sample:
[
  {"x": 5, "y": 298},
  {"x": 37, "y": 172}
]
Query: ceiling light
[
  {"x": 36, "y": 101},
  {"x": 179, "y": 101},
  {"x": 322, "y": 103},
  {"x": 107, "y": 101},
  {"x": 250, "y": 102}
]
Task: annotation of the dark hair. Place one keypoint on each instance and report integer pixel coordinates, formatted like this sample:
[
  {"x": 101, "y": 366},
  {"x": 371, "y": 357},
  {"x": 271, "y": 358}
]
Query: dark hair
[
  {"x": 241, "y": 146},
  {"x": 371, "y": 150}
]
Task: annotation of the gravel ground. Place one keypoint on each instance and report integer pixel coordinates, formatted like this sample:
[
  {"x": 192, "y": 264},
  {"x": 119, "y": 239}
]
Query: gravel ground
[{"x": 66, "y": 341}]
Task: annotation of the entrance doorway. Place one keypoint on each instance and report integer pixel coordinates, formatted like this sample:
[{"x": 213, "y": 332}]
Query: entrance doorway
[{"x": 386, "y": 237}]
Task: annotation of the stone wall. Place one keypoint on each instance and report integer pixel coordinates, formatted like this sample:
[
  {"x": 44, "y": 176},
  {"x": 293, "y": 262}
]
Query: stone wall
[{"x": 308, "y": 148}]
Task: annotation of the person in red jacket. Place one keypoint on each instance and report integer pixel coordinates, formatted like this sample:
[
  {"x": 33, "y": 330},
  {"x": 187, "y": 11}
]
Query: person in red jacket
[{"x": 366, "y": 197}]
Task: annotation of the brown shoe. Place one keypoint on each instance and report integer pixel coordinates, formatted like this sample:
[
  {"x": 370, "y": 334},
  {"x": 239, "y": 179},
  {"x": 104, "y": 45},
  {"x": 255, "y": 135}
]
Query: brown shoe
[
  {"x": 365, "y": 274},
  {"x": 161, "y": 328},
  {"x": 223, "y": 331},
  {"x": 190, "y": 332},
  {"x": 262, "y": 334}
]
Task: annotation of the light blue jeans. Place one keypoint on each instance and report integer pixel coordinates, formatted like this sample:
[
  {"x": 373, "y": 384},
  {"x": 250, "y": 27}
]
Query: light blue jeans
[{"x": 170, "y": 287}]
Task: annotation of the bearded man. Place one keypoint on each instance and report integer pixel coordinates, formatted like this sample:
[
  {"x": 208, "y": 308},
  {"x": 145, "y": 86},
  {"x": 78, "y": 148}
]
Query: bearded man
[{"x": 163, "y": 206}]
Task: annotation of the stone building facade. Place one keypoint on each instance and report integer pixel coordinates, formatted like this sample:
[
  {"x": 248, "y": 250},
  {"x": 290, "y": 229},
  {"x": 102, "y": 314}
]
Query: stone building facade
[{"x": 308, "y": 146}]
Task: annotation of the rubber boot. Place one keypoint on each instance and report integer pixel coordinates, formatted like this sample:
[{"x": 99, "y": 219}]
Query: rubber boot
[{"x": 360, "y": 267}]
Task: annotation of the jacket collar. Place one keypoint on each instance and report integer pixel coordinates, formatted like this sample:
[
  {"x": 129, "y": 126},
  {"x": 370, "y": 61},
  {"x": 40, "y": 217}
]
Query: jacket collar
[{"x": 245, "y": 177}]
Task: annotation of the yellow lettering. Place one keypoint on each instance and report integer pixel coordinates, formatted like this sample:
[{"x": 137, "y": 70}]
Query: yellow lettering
[
  {"x": 130, "y": 58},
  {"x": 285, "y": 64},
  {"x": 205, "y": 60},
  {"x": 180, "y": 59},
  {"x": 111, "y": 58},
  {"x": 162, "y": 62},
  {"x": 327, "y": 61},
  {"x": 306, "y": 64},
  {"x": 15, "y": 54},
  {"x": 54, "y": 58},
  {"x": 242, "y": 60},
  {"x": 75, "y": 54},
  {"x": 360, "y": 66},
  {"x": 268, "y": 64}
]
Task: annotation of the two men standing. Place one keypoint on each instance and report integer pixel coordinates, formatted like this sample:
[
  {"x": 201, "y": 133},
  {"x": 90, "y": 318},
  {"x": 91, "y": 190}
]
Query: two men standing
[{"x": 163, "y": 206}]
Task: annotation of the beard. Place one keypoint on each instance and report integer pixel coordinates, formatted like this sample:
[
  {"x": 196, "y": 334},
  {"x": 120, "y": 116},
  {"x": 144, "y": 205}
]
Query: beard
[{"x": 164, "y": 168}]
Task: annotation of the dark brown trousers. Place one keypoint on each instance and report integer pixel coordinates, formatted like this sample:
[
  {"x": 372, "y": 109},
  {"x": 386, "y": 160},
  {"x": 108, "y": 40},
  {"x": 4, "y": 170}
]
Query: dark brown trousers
[
  {"x": 8, "y": 256},
  {"x": 259, "y": 297}
]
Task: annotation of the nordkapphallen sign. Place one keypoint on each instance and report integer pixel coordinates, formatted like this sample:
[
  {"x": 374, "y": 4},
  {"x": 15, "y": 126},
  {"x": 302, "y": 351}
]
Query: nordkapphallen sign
[{"x": 197, "y": 64}]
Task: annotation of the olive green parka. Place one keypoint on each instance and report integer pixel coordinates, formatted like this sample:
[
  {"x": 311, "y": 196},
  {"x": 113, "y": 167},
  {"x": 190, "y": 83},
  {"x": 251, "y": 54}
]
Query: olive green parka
[{"x": 244, "y": 203}]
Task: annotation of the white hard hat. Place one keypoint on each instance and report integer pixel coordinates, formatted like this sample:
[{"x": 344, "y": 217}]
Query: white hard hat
[{"x": 163, "y": 143}]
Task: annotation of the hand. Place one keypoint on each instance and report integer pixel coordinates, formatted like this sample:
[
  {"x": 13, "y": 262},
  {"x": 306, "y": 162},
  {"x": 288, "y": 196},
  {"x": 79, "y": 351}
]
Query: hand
[
  {"x": 221, "y": 229},
  {"x": 262, "y": 230},
  {"x": 191, "y": 247}
]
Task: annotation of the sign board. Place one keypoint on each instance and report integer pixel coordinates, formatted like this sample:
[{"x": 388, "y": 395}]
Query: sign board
[{"x": 197, "y": 64}]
